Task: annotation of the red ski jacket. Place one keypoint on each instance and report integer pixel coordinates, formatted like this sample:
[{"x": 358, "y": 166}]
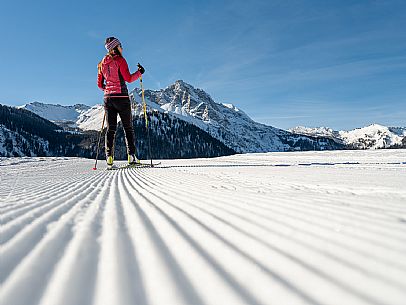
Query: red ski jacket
[{"x": 112, "y": 75}]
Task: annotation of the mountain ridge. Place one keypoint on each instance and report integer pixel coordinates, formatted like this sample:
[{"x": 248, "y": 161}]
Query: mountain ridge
[
  {"x": 373, "y": 136},
  {"x": 224, "y": 122}
]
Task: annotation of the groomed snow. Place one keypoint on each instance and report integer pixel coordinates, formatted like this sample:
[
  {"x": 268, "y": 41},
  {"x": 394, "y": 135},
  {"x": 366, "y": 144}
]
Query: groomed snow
[{"x": 276, "y": 228}]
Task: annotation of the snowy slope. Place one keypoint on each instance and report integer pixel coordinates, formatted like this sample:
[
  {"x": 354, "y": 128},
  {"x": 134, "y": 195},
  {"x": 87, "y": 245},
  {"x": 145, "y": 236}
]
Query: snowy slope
[
  {"x": 325, "y": 228},
  {"x": 370, "y": 137},
  {"x": 225, "y": 122},
  {"x": 317, "y": 132},
  {"x": 77, "y": 116},
  {"x": 12, "y": 142},
  {"x": 91, "y": 119},
  {"x": 373, "y": 136},
  {"x": 57, "y": 113}
]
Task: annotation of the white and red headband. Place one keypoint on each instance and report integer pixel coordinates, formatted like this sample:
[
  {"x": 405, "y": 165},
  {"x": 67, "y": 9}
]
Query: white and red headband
[{"x": 112, "y": 44}]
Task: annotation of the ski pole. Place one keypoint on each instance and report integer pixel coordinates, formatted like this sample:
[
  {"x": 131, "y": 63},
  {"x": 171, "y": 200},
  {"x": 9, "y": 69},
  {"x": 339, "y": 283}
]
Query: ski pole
[
  {"x": 146, "y": 119},
  {"x": 98, "y": 142}
]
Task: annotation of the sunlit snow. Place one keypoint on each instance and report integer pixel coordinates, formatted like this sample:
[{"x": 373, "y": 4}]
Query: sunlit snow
[{"x": 274, "y": 228}]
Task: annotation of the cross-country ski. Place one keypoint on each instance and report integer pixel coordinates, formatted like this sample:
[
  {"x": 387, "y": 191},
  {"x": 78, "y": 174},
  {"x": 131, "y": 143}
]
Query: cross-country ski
[{"x": 136, "y": 165}]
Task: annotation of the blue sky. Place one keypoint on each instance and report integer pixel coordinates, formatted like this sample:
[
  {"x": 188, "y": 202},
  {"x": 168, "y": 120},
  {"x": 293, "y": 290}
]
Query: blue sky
[{"x": 340, "y": 64}]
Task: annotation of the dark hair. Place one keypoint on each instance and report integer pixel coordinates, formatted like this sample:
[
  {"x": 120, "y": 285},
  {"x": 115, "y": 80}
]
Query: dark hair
[
  {"x": 114, "y": 51},
  {"x": 109, "y": 39}
]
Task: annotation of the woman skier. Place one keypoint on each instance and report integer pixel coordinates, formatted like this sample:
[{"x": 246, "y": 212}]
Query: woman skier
[{"x": 113, "y": 73}]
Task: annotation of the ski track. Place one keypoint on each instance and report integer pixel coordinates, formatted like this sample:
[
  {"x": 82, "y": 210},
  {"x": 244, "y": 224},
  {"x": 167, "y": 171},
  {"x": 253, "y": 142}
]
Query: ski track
[
  {"x": 282, "y": 228},
  {"x": 267, "y": 229}
]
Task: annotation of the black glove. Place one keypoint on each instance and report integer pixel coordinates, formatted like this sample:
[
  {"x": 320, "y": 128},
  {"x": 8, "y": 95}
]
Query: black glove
[{"x": 141, "y": 68}]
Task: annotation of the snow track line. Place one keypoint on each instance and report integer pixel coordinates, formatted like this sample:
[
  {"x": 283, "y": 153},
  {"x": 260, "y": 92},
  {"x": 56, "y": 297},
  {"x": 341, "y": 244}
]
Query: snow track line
[
  {"x": 383, "y": 269},
  {"x": 11, "y": 229},
  {"x": 283, "y": 210},
  {"x": 36, "y": 188},
  {"x": 74, "y": 276},
  {"x": 270, "y": 207},
  {"x": 192, "y": 263},
  {"x": 13, "y": 187},
  {"x": 153, "y": 269},
  {"x": 39, "y": 205},
  {"x": 186, "y": 291},
  {"x": 332, "y": 256},
  {"x": 22, "y": 204},
  {"x": 41, "y": 189},
  {"x": 137, "y": 288},
  {"x": 340, "y": 210},
  {"x": 337, "y": 246},
  {"x": 237, "y": 287},
  {"x": 370, "y": 233},
  {"x": 116, "y": 267},
  {"x": 26, "y": 201},
  {"x": 32, "y": 191},
  {"x": 317, "y": 271},
  {"x": 314, "y": 233},
  {"x": 283, "y": 281},
  {"x": 31, "y": 235},
  {"x": 112, "y": 273},
  {"x": 204, "y": 235},
  {"x": 37, "y": 265},
  {"x": 321, "y": 215},
  {"x": 34, "y": 268},
  {"x": 266, "y": 229}
]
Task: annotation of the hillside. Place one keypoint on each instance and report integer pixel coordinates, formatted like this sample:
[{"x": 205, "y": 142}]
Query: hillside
[{"x": 23, "y": 133}]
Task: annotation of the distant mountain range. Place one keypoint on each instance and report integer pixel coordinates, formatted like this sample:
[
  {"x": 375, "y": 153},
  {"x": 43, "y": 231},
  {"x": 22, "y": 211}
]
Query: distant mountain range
[
  {"x": 182, "y": 101},
  {"x": 223, "y": 127},
  {"x": 371, "y": 137}
]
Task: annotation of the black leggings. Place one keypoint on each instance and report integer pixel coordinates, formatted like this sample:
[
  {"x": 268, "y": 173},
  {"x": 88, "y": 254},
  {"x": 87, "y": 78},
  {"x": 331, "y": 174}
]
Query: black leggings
[{"x": 121, "y": 106}]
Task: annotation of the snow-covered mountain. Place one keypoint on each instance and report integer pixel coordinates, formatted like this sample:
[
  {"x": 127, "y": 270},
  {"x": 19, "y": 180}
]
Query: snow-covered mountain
[
  {"x": 371, "y": 137},
  {"x": 62, "y": 115},
  {"x": 91, "y": 119},
  {"x": 316, "y": 132},
  {"x": 78, "y": 116},
  {"x": 226, "y": 122}
]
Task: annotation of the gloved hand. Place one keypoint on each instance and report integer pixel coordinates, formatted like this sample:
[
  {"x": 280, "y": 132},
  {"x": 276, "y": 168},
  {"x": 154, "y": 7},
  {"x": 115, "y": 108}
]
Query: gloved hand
[{"x": 141, "y": 68}]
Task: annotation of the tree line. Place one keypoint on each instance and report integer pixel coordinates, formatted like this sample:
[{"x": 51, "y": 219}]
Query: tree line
[{"x": 27, "y": 134}]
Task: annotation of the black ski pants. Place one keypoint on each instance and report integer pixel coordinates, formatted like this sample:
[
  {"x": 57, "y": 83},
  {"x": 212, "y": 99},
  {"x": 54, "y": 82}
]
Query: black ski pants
[{"x": 121, "y": 106}]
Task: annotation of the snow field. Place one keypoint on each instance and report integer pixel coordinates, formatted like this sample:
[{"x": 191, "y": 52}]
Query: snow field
[{"x": 277, "y": 228}]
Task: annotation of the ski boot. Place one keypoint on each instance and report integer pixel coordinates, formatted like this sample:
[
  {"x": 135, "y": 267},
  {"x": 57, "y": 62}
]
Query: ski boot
[
  {"x": 132, "y": 160},
  {"x": 110, "y": 160}
]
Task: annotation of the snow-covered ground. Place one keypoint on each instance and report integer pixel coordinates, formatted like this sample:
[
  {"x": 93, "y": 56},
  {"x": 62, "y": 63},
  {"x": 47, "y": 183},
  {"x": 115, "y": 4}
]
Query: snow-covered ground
[{"x": 276, "y": 228}]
